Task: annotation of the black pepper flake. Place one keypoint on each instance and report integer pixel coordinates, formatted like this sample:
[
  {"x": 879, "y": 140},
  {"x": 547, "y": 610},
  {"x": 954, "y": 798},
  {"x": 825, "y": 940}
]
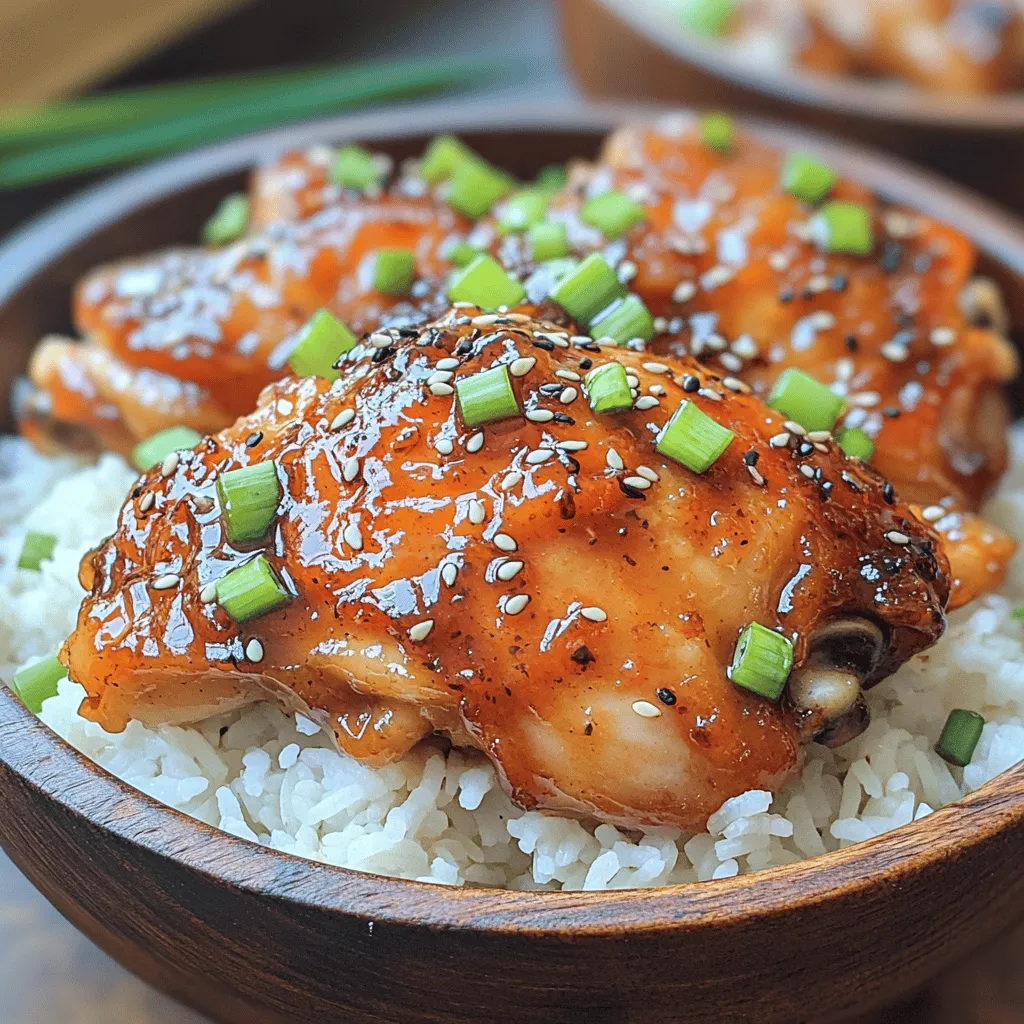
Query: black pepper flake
[
  {"x": 851, "y": 343},
  {"x": 588, "y": 728},
  {"x": 750, "y": 458},
  {"x": 665, "y": 695},
  {"x": 582, "y": 656},
  {"x": 691, "y": 383},
  {"x": 254, "y": 439},
  {"x": 586, "y": 363},
  {"x": 787, "y": 295},
  {"x": 889, "y": 493}
]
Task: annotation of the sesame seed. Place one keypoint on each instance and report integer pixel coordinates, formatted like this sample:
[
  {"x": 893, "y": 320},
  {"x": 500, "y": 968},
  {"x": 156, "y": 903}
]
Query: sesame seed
[
  {"x": 503, "y": 542},
  {"x": 657, "y": 368},
  {"x": 448, "y": 573},
  {"x": 594, "y": 614},
  {"x": 716, "y": 343},
  {"x": 440, "y": 377},
  {"x": 733, "y": 384},
  {"x": 657, "y": 389},
  {"x": 626, "y": 271},
  {"x": 353, "y": 537},
  {"x": 166, "y": 582},
  {"x": 477, "y": 512},
  {"x": 522, "y": 366},
  {"x": 169, "y": 465},
  {"x": 645, "y": 403},
  {"x": 779, "y": 440},
  {"x": 899, "y": 225},
  {"x": 421, "y": 630},
  {"x": 632, "y": 380},
  {"x": 380, "y": 339},
  {"x": 568, "y": 396},
  {"x": 896, "y": 537},
  {"x": 351, "y": 469},
  {"x": 572, "y": 446},
  {"x": 691, "y": 383},
  {"x": 778, "y": 261},
  {"x": 511, "y": 480},
  {"x": 716, "y": 277},
  {"x": 645, "y": 709},
  {"x": 894, "y": 352},
  {"x": 343, "y": 418},
  {"x": 448, "y": 363},
  {"x": 818, "y": 284},
  {"x": 823, "y": 320},
  {"x": 646, "y": 471},
  {"x": 641, "y": 483},
  {"x": 568, "y": 375},
  {"x": 441, "y": 390},
  {"x": 708, "y": 393},
  {"x": 942, "y": 336},
  {"x": 660, "y": 324},
  {"x": 614, "y": 459},
  {"x": 684, "y": 291},
  {"x": 559, "y": 337},
  {"x": 508, "y": 569},
  {"x": 794, "y": 428},
  {"x": 865, "y": 399},
  {"x": 444, "y": 446},
  {"x": 485, "y": 320},
  {"x": 254, "y": 650},
  {"x": 807, "y": 471},
  {"x": 476, "y": 442},
  {"x": 208, "y": 594},
  {"x": 539, "y": 455},
  {"x": 146, "y": 503},
  {"x": 933, "y": 513},
  {"x": 540, "y": 415},
  {"x": 817, "y": 436},
  {"x": 515, "y": 604},
  {"x": 731, "y": 361}
]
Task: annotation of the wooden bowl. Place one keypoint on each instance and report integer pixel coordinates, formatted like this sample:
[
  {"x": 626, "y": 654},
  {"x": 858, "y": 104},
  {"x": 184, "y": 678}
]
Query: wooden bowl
[
  {"x": 636, "y": 49},
  {"x": 250, "y": 935}
]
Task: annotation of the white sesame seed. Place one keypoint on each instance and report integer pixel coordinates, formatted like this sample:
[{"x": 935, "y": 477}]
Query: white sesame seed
[
  {"x": 511, "y": 480},
  {"x": 933, "y": 512},
  {"x": 284, "y": 407},
  {"x": 448, "y": 363},
  {"x": 823, "y": 320},
  {"x": 440, "y": 377},
  {"x": 632, "y": 380},
  {"x": 684, "y": 291},
  {"x": 503, "y": 542},
  {"x": 539, "y": 455},
  {"x": 778, "y": 261},
  {"x": 807, "y": 471},
  {"x": 647, "y": 472},
  {"x": 626, "y": 271},
  {"x": 166, "y": 582},
  {"x": 716, "y": 277},
  {"x": 353, "y": 537},
  {"x": 646, "y": 402},
  {"x": 745, "y": 347},
  {"x": 421, "y": 630},
  {"x": 568, "y": 375},
  {"x": 448, "y": 573},
  {"x": 572, "y": 446},
  {"x": 731, "y": 361},
  {"x": 864, "y": 399},
  {"x": 735, "y": 384},
  {"x": 660, "y": 324},
  {"x": 755, "y": 475},
  {"x": 522, "y": 366},
  {"x": 208, "y": 594},
  {"x": 614, "y": 459},
  {"x": 899, "y": 225},
  {"x": 568, "y": 396},
  {"x": 508, "y": 569},
  {"x": 345, "y": 417},
  {"x": 708, "y": 393},
  {"x": 657, "y": 389},
  {"x": 645, "y": 709},
  {"x": 817, "y": 284},
  {"x": 444, "y": 446},
  {"x": 716, "y": 343},
  {"x": 380, "y": 339},
  {"x": 169, "y": 465},
  {"x": 656, "y": 368},
  {"x": 794, "y": 428},
  {"x": 540, "y": 415},
  {"x": 477, "y": 512},
  {"x": 594, "y": 614},
  {"x": 894, "y": 352},
  {"x": 441, "y": 390},
  {"x": 942, "y": 336},
  {"x": 146, "y": 502},
  {"x": 476, "y": 442},
  {"x": 896, "y": 537},
  {"x": 485, "y": 320},
  {"x": 254, "y": 650},
  {"x": 351, "y": 469},
  {"x": 845, "y": 369},
  {"x": 817, "y": 436},
  {"x": 515, "y": 604},
  {"x": 779, "y": 440},
  {"x": 641, "y": 483}
]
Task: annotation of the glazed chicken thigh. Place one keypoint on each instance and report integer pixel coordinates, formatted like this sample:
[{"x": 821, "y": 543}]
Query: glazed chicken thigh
[{"x": 527, "y": 576}]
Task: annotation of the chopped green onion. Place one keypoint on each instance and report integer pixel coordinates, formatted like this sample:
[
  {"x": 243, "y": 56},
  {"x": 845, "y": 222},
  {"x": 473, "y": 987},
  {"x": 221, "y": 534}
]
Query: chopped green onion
[
  {"x": 229, "y": 222},
  {"x": 960, "y": 737},
  {"x": 443, "y": 154},
  {"x": 38, "y": 682},
  {"x": 693, "y": 438},
  {"x": 708, "y": 17},
  {"x": 552, "y": 178},
  {"x": 590, "y": 289},
  {"x": 1017, "y": 614},
  {"x": 486, "y": 284},
  {"x": 475, "y": 186},
  {"x": 523, "y": 209},
  {"x": 322, "y": 342},
  {"x": 151, "y": 452},
  {"x": 808, "y": 179},
  {"x": 624, "y": 322},
  {"x": 843, "y": 227},
  {"x": 36, "y": 549},
  {"x": 486, "y": 396},
  {"x": 762, "y": 661},
  {"x": 251, "y": 590},
  {"x": 608, "y": 388},
  {"x": 394, "y": 271},
  {"x": 355, "y": 167},
  {"x": 461, "y": 253},
  {"x": 548, "y": 241},
  {"x": 717, "y": 132},
  {"x": 801, "y": 398},
  {"x": 855, "y": 443},
  {"x": 248, "y": 500},
  {"x": 613, "y": 212}
]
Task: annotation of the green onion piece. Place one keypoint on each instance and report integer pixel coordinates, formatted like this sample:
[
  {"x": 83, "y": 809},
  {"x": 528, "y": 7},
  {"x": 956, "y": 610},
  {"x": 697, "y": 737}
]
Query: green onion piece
[
  {"x": 322, "y": 342},
  {"x": 552, "y": 178},
  {"x": 486, "y": 397},
  {"x": 693, "y": 438},
  {"x": 708, "y": 17},
  {"x": 443, "y": 154},
  {"x": 523, "y": 209},
  {"x": 608, "y": 388},
  {"x": 251, "y": 590},
  {"x": 475, "y": 186},
  {"x": 151, "y": 452},
  {"x": 959, "y": 737},
  {"x": 248, "y": 500},
  {"x": 461, "y": 253},
  {"x": 808, "y": 179},
  {"x": 801, "y": 398},
  {"x": 486, "y": 284},
  {"x": 548, "y": 241},
  {"x": 1017, "y": 614},
  {"x": 590, "y": 289},
  {"x": 717, "y": 132},
  {"x": 38, "y": 682},
  {"x": 855, "y": 443},
  {"x": 394, "y": 271},
  {"x": 762, "y": 661},
  {"x": 229, "y": 222},
  {"x": 355, "y": 167},
  {"x": 624, "y": 322},
  {"x": 38, "y": 547},
  {"x": 612, "y": 212},
  {"x": 843, "y": 227}
]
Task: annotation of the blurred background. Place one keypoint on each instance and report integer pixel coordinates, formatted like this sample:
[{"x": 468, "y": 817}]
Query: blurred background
[{"x": 87, "y": 88}]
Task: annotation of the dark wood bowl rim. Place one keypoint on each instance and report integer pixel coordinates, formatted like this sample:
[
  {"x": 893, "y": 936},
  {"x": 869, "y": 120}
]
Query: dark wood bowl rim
[
  {"x": 886, "y": 101},
  {"x": 58, "y": 773}
]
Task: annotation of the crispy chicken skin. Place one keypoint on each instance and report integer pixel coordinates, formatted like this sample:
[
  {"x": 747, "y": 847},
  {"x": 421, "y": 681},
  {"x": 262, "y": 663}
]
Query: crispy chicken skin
[{"x": 550, "y": 590}]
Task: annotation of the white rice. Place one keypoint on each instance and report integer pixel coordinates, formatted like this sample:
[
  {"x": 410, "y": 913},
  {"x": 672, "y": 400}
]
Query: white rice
[{"x": 277, "y": 780}]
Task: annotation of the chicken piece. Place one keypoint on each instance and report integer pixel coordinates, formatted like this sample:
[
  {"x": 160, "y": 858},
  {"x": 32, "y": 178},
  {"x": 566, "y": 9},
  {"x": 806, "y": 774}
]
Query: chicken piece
[{"x": 547, "y": 588}]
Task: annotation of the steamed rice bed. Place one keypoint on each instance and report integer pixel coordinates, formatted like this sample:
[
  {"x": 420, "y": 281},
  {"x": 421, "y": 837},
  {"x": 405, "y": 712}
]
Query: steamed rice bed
[{"x": 276, "y": 780}]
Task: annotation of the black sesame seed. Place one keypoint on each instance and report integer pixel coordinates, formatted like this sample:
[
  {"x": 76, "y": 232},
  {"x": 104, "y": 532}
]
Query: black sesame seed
[
  {"x": 254, "y": 439},
  {"x": 588, "y": 728},
  {"x": 586, "y": 363},
  {"x": 750, "y": 458},
  {"x": 631, "y": 492},
  {"x": 582, "y": 656},
  {"x": 691, "y": 383},
  {"x": 892, "y": 254},
  {"x": 562, "y": 417},
  {"x": 665, "y": 695},
  {"x": 839, "y": 283},
  {"x": 805, "y": 448},
  {"x": 891, "y": 412},
  {"x": 851, "y": 343},
  {"x": 381, "y": 354},
  {"x": 464, "y": 347},
  {"x": 544, "y": 343},
  {"x": 922, "y": 263},
  {"x": 550, "y": 390},
  {"x": 786, "y": 295},
  {"x": 889, "y": 493}
]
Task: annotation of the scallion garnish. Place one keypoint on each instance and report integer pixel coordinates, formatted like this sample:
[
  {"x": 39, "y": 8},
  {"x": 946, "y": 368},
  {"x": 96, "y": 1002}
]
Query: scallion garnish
[
  {"x": 251, "y": 590},
  {"x": 588, "y": 290},
  {"x": 461, "y": 253},
  {"x": 806, "y": 178},
  {"x": 693, "y": 438},
  {"x": 855, "y": 443},
  {"x": 548, "y": 241},
  {"x": 708, "y": 17},
  {"x": 442, "y": 156},
  {"x": 1017, "y": 614},
  {"x": 608, "y": 388},
  {"x": 625, "y": 321},
  {"x": 475, "y": 186},
  {"x": 151, "y": 452},
  {"x": 960, "y": 737},
  {"x": 394, "y": 271},
  {"x": 38, "y": 682},
  {"x": 614, "y": 213},
  {"x": 717, "y": 132},
  {"x": 841, "y": 226},
  {"x": 762, "y": 661},
  {"x": 552, "y": 178},
  {"x": 248, "y": 500},
  {"x": 355, "y": 167},
  {"x": 486, "y": 284},
  {"x": 801, "y": 398},
  {"x": 322, "y": 342},
  {"x": 486, "y": 396},
  {"x": 36, "y": 549},
  {"x": 523, "y": 209},
  {"x": 229, "y": 222}
]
